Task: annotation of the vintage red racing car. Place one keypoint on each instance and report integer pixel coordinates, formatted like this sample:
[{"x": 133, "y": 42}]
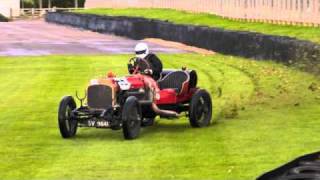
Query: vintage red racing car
[{"x": 135, "y": 100}]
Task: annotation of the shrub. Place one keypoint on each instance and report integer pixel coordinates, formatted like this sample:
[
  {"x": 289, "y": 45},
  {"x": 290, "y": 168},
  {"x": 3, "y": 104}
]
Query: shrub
[{"x": 3, "y": 18}]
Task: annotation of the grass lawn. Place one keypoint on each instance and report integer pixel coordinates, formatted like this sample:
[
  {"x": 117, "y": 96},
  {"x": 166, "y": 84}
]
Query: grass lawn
[
  {"x": 266, "y": 115},
  {"x": 182, "y": 17}
]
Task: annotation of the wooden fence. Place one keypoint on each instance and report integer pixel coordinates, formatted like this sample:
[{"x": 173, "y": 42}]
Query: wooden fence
[
  {"x": 302, "y": 12},
  {"x": 39, "y": 12}
]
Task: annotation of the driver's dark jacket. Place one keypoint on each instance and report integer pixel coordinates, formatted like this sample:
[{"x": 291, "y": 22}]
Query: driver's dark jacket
[{"x": 155, "y": 64}]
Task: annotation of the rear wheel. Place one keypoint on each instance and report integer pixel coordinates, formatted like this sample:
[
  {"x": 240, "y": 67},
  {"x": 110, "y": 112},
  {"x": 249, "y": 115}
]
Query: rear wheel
[
  {"x": 131, "y": 118},
  {"x": 67, "y": 124},
  {"x": 200, "y": 110}
]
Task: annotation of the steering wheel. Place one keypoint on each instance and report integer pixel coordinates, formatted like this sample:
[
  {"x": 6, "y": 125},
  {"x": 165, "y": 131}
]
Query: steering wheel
[
  {"x": 138, "y": 65},
  {"x": 133, "y": 65}
]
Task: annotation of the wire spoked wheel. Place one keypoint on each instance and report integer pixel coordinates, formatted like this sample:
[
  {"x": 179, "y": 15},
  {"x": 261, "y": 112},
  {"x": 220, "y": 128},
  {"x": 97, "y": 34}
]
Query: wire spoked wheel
[
  {"x": 131, "y": 118},
  {"x": 67, "y": 124},
  {"x": 200, "y": 109}
]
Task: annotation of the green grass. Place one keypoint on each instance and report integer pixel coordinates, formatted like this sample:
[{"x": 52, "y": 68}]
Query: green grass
[
  {"x": 278, "y": 120},
  {"x": 182, "y": 17}
]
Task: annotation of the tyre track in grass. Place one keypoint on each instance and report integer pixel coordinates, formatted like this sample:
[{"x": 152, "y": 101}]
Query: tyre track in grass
[
  {"x": 227, "y": 73},
  {"x": 221, "y": 76},
  {"x": 232, "y": 97},
  {"x": 251, "y": 76}
]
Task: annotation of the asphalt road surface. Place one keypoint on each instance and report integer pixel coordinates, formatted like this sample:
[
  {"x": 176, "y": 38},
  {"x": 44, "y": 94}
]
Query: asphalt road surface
[{"x": 36, "y": 38}]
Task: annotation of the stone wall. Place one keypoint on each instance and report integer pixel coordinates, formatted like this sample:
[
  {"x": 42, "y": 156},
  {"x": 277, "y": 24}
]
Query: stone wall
[{"x": 287, "y": 50}]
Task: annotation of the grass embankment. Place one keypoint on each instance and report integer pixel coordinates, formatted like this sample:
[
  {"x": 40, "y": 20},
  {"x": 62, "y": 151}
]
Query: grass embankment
[
  {"x": 182, "y": 17},
  {"x": 266, "y": 115}
]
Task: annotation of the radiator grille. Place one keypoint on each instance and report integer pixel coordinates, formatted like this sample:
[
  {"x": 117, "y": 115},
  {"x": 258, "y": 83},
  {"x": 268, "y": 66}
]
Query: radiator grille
[{"x": 99, "y": 97}]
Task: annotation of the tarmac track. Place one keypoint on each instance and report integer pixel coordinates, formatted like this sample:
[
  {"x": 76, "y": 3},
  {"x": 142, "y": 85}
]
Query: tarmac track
[{"x": 36, "y": 38}]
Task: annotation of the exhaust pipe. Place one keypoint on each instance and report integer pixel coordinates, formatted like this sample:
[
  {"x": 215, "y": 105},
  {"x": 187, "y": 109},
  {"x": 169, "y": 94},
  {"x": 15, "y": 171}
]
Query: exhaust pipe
[{"x": 165, "y": 113}]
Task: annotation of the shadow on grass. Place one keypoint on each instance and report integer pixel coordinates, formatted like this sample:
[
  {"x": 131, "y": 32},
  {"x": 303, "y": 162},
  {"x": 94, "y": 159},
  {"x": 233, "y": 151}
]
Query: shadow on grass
[
  {"x": 98, "y": 134},
  {"x": 171, "y": 127},
  {"x": 162, "y": 126}
]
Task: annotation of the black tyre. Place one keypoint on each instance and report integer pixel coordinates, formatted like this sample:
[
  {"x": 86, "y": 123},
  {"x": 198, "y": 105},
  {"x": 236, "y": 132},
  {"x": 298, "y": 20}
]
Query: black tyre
[
  {"x": 200, "y": 109},
  {"x": 300, "y": 177},
  {"x": 131, "y": 118},
  {"x": 305, "y": 170},
  {"x": 67, "y": 124},
  {"x": 310, "y": 163}
]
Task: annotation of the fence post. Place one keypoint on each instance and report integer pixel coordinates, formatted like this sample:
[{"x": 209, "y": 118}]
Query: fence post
[
  {"x": 32, "y": 13},
  {"x": 76, "y": 4},
  {"x": 40, "y": 4},
  {"x": 11, "y": 13}
]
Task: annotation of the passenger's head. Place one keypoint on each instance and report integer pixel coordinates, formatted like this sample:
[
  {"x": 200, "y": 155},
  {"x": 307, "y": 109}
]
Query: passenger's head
[{"x": 141, "y": 50}]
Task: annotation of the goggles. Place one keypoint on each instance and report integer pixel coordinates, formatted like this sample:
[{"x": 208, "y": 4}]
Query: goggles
[{"x": 140, "y": 52}]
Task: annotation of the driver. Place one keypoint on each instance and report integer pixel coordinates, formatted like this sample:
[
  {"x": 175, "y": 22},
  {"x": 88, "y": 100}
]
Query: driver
[{"x": 142, "y": 51}]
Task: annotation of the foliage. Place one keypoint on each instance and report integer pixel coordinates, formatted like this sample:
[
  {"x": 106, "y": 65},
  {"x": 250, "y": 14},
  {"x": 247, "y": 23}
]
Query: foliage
[
  {"x": 54, "y": 3},
  {"x": 3, "y": 18}
]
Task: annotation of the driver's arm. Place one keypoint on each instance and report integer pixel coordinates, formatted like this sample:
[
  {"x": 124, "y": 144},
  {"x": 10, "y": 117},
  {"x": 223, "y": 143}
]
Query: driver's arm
[{"x": 156, "y": 65}]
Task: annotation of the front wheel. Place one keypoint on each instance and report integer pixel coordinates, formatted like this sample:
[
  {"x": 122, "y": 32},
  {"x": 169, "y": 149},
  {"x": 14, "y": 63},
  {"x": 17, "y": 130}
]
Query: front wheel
[
  {"x": 131, "y": 118},
  {"x": 67, "y": 124},
  {"x": 200, "y": 109}
]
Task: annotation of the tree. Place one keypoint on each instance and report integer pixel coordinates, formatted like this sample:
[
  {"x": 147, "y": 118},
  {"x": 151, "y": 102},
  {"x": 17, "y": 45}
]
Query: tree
[
  {"x": 56, "y": 3},
  {"x": 27, "y": 3}
]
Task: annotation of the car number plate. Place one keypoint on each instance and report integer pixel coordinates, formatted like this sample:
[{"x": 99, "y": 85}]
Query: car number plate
[{"x": 98, "y": 124}]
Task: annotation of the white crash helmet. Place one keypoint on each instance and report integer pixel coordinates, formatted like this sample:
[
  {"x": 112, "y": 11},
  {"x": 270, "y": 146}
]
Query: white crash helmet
[{"x": 141, "y": 50}]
